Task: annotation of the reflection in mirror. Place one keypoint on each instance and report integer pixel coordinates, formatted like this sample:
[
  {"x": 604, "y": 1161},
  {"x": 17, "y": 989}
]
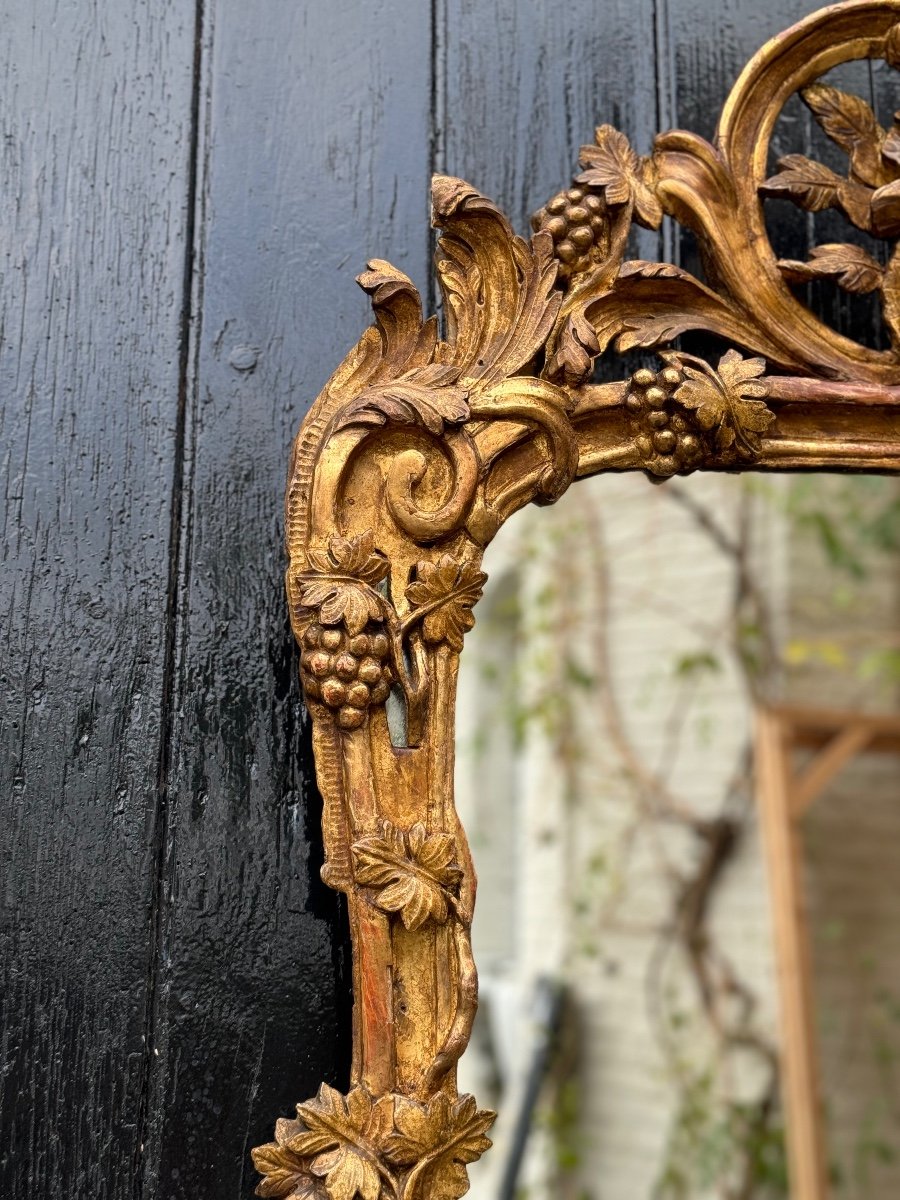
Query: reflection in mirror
[{"x": 629, "y": 1028}]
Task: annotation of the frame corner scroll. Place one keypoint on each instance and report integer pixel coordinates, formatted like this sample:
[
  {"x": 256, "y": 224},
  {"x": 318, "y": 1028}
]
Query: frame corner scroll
[{"x": 421, "y": 445}]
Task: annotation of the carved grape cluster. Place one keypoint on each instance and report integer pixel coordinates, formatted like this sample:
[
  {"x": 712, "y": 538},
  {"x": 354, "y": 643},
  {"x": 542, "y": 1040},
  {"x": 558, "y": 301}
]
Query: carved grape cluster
[
  {"x": 346, "y": 673},
  {"x": 576, "y": 220},
  {"x": 662, "y": 432}
]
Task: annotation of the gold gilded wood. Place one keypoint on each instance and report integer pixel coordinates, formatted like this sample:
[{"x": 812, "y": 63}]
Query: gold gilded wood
[{"x": 421, "y": 445}]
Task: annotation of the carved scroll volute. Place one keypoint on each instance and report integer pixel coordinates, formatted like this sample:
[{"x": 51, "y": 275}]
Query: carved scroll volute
[{"x": 387, "y": 517}]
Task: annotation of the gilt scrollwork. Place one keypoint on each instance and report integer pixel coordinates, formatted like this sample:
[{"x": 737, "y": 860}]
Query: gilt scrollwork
[{"x": 424, "y": 441}]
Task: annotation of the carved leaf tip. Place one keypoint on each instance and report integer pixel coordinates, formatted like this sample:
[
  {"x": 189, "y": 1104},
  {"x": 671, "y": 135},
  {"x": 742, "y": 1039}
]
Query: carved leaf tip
[{"x": 448, "y": 193}]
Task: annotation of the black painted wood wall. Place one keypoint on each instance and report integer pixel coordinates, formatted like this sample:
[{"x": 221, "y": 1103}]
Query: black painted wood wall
[{"x": 187, "y": 189}]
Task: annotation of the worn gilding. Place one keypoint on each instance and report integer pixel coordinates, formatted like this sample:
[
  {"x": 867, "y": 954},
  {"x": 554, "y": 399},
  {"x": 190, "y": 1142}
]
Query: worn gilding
[{"x": 422, "y": 445}]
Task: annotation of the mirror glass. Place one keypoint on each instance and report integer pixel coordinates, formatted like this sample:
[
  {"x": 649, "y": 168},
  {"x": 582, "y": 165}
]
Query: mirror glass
[{"x": 629, "y": 1029}]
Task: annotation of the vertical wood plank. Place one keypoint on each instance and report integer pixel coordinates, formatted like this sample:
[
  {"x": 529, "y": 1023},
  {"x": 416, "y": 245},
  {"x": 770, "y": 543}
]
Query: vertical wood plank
[
  {"x": 315, "y": 156},
  {"x": 94, "y": 164},
  {"x": 522, "y": 85},
  {"x": 799, "y": 1055}
]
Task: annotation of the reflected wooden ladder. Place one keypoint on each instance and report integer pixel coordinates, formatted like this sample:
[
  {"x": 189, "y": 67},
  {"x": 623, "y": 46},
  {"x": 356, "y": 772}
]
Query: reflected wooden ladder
[{"x": 784, "y": 795}]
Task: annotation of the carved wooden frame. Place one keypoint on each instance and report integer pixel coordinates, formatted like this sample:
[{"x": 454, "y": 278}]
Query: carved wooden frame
[{"x": 420, "y": 446}]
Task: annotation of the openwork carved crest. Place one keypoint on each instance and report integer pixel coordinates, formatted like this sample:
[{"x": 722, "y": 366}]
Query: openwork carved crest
[{"x": 424, "y": 442}]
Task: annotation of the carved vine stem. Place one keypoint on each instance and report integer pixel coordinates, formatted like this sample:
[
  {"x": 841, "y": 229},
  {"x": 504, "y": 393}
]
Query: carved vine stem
[{"x": 420, "y": 446}]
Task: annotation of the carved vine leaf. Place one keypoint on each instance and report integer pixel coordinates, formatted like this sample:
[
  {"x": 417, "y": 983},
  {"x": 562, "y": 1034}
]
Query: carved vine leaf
[
  {"x": 286, "y": 1172},
  {"x": 415, "y": 872},
  {"x": 427, "y": 396},
  {"x": 850, "y": 266},
  {"x": 340, "y": 1134},
  {"x": 624, "y": 176},
  {"x": 727, "y": 402},
  {"x": 342, "y": 588},
  {"x": 443, "y": 595},
  {"x": 438, "y": 1141}
]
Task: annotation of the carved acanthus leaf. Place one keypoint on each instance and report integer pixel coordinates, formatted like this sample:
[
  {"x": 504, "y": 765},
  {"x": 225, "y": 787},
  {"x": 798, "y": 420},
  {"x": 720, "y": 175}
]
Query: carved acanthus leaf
[
  {"x": 413, "y": 873},
  {"x": 576, "y": 349},
  {"x": 653, "y": 303},
  {"x": 427, "y": 396},
  {"x": 443, "y": 595},
  {"x": 498, "y": 290},
  {"x": 407, "y": 341}
]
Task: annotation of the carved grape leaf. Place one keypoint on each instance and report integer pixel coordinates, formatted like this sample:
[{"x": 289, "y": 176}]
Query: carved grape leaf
[
  {"x": 850, "y": 266},
  {"x": 342, "y": 1133},
  {"x": 727, "y": 402},
  {"x": 285, "y": 1171},
  {"x": 443, "y": 595},
  {"x": 414, "y": 871},
  {"x": 343, "y": 587},
  {"x": 625, "y": 177},
  {"x": 426, "y": 396},
  {"x": 348, "y": 1175},
  {"x": 850, "y": 123},
  {"x": 438, "y": 1141}
]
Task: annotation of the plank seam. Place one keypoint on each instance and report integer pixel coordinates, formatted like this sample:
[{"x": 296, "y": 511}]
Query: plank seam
[{"x": 159, "y": 843}]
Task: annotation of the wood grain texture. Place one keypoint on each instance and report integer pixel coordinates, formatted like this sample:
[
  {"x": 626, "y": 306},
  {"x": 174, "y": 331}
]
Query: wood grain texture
[
  {"x": 521, "y": 86},
  {"x": 95, "y": 123},
  {"x": 314, "y": 156}
]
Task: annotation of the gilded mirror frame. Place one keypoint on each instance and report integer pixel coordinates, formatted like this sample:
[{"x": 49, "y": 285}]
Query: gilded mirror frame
[{"x": 422, "y": 444}]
